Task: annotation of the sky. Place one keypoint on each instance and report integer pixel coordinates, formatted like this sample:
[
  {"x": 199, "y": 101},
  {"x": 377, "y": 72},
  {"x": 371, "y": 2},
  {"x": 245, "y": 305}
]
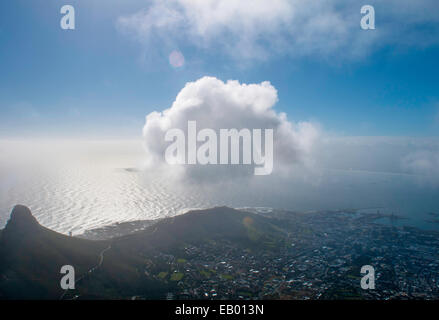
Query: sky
[
  {"x": 355, "y": 112},
  {"x": 126, "y": 59}
]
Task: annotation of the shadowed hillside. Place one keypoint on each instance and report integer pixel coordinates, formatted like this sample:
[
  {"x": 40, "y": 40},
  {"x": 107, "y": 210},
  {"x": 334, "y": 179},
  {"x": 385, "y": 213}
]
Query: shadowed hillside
[{"x": 32, "y": 255}]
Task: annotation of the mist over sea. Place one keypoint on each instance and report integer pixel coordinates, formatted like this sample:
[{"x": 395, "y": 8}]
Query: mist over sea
[{"x": 75, "y": 186}]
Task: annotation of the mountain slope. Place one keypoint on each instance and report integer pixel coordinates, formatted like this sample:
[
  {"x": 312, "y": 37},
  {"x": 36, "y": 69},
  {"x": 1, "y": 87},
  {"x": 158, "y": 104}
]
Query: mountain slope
[{"x": 32, "y": 255}]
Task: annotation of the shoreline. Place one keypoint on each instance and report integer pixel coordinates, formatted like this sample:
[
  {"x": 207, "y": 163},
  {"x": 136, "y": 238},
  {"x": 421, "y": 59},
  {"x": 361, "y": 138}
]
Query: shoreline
[{"x": 120, "y": 229}]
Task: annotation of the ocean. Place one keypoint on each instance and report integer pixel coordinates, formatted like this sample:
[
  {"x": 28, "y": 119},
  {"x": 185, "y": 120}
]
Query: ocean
[{"x": 73, "y": 186}]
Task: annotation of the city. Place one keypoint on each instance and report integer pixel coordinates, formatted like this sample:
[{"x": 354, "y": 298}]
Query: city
[{"x": 320, "y": 258}]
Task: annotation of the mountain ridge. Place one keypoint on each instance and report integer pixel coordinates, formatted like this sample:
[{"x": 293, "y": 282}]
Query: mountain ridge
[{"x": 33, "y": 255}]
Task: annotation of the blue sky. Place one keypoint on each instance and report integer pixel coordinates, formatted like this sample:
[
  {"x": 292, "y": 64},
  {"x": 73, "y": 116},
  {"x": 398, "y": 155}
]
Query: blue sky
[{"x": 102, "y": 79}]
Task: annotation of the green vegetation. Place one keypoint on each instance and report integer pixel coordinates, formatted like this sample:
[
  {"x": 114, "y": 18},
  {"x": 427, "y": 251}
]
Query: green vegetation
[
  {"x": 245, "y": 294},
  {"x": 177, "y": 276},
  {"x": 205, "y": 273},
  {"x": 252, "y": 233}
]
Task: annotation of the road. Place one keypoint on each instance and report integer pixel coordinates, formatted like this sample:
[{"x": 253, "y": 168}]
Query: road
[{"x": 90, "y": 271}]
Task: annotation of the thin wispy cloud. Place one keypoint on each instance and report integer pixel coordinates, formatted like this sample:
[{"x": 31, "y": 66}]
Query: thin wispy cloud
[
  {"x": 424, "y": 163},
  {"x": 259, "y": 29}
]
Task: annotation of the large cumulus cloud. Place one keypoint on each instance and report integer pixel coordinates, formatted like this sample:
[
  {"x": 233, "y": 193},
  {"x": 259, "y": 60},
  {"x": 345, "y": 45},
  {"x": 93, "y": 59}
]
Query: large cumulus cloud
[{"x": 217, "y": 105}]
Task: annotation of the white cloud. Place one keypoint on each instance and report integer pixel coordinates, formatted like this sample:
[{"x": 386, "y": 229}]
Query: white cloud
[
  {"x": 424, "y": 163},
  {"x": 217, "y": 105},
  {"x": 258, "y": 29}
]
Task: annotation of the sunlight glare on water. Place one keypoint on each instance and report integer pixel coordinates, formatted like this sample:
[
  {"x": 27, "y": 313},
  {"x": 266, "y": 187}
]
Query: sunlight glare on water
[{"x": 76, "y": 186}]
